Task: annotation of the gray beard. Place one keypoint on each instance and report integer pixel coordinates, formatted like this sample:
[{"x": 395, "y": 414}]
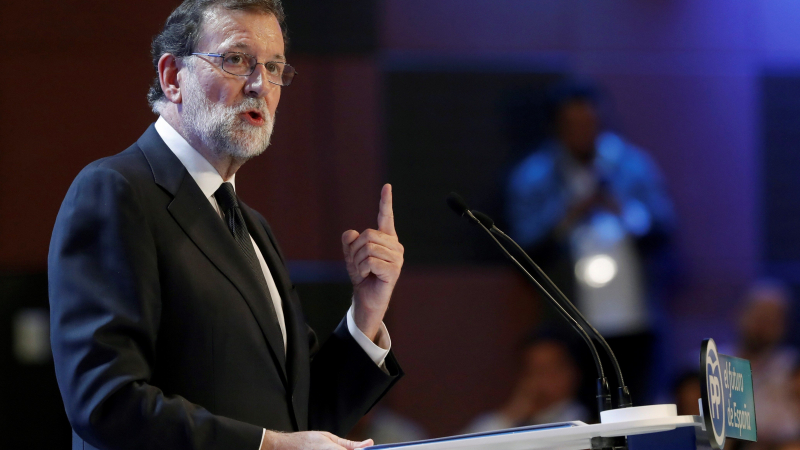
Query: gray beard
[{"x": 220, "y": 128}]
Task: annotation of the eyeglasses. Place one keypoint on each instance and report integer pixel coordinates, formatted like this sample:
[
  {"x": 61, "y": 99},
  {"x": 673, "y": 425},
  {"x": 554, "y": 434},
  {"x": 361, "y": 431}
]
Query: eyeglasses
[{"x": 243, "y": 65}]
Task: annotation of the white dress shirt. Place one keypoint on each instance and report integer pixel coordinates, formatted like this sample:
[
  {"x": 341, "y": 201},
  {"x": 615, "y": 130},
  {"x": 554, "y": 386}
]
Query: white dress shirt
[{"x": 209, "y": 180}]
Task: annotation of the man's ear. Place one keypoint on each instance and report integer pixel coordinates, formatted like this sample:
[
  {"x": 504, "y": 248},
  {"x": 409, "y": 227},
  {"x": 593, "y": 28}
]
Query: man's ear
[{"x": 168, "y": 68}]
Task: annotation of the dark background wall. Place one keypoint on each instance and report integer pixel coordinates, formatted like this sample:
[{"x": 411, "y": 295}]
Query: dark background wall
[{"x": 692, "y": 82}]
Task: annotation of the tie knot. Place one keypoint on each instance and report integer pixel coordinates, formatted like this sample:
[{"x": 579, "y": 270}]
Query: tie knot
[{"x": 226, "y": 197}]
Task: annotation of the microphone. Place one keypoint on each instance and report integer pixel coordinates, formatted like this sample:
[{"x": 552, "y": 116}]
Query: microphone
[
  {"x": 484, "y": 219},
  {"x": 624, "y": 396},
  {"x": 459, "y": 206},
  {"x": 486, "y": 223}
]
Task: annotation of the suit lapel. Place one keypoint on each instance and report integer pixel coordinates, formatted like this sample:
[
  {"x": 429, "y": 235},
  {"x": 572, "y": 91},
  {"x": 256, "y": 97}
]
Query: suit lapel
[
  {"x": 268, "y": 250},
  {"x": 195, "y": 215},
  {"x": 293, "y": 317}
]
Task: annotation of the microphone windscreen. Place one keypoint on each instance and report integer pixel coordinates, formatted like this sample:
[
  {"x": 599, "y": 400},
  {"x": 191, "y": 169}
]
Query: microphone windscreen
[
  {"x": 456, "y": 203},
  {"x": 483, "y": 218}
]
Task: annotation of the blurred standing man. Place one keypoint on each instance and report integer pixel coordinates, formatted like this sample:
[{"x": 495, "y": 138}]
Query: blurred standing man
[
  {"x": 594, "y": 209},
  {"x": 174, "y": 322}
]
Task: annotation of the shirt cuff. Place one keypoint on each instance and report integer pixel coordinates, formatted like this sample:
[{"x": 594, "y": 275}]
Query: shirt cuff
[
  {"x": 376, "y": 352},
  {"x": 263, "y": 435}
]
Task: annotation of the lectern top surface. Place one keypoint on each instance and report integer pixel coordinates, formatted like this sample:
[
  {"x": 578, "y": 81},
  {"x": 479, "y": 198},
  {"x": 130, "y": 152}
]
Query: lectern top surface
[{"x": 549, "y": 426}]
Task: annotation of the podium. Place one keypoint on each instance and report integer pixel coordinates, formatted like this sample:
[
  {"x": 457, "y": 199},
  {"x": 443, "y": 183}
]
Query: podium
[
  {"x": 635, "y": 421},
  {"x": 727, "y": 409},
  {"x": 727, "y": 406}
]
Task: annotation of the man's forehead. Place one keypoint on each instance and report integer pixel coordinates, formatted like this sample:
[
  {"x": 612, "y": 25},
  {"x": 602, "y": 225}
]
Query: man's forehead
[
  {"x": 253, "y": 32},
  {"x": 244, "y": 47}
]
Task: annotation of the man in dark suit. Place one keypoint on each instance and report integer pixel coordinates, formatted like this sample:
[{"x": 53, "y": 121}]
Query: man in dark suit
[{"x": 174, "y": 322}]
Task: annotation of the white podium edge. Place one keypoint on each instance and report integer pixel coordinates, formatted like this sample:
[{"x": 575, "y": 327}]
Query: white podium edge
[{"x": 572, "y": 436}]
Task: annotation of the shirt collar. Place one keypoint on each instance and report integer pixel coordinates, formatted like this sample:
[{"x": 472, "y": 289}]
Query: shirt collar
[{"x": 204, "y": 174}]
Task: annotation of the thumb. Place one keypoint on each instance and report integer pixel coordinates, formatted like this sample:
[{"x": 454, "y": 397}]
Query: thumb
[
  {"x": 348, "y": 237},
  {"x": 352, "y": 445}
]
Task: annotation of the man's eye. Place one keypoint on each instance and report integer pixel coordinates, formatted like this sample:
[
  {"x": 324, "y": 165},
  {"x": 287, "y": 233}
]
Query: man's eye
[
  {"x": 234, "y": 60},
  {"x": 273, "y": 68}
]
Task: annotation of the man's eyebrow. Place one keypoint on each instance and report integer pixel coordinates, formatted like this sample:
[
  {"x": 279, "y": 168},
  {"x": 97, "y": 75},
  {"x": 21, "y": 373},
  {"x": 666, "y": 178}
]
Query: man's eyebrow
[{"x": 241, "y": 46}]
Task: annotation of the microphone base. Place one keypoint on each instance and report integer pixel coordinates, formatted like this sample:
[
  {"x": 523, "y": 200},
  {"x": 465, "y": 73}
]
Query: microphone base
[
  {"x": 638, "y": 413},
  {"x": 603, "y": 395}
]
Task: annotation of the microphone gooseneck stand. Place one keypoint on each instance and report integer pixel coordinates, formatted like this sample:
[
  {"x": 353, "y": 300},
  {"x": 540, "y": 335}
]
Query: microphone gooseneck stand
[
  {"x": 603, "y": 392},
  {"x": 624, "y": 395}
]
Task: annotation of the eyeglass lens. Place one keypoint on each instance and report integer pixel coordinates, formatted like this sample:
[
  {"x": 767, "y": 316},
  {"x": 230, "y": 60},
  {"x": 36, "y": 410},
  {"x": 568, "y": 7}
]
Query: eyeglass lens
[{"x": 243, "y": 64}]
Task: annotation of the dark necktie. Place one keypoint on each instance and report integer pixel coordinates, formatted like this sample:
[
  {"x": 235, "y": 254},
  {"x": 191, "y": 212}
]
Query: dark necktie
[{"x": 229, "y": 206}]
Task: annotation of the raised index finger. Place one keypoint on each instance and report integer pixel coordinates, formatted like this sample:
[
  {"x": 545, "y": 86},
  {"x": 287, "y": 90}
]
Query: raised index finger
[{"x": 385, "y": 213}]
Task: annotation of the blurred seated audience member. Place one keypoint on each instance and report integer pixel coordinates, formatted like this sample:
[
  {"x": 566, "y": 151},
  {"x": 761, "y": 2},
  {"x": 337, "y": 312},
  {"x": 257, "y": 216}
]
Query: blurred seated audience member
[
  {"x": 762, "y": 328},
  {"x": 546, "y": 391},
  {"x": 686, "y": 395},
  {"x": 686, "y": 392},
  {"x": 793, "y": 445},
  {"x": 594, "y": 211},
  {"x": 794, "y": 392},
  {"x": 385, "y": 426}
]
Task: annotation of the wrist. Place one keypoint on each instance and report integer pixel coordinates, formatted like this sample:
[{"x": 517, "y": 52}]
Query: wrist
[
  {"x": 271, "y": 440},
  {"x": 368, "y": 320}
]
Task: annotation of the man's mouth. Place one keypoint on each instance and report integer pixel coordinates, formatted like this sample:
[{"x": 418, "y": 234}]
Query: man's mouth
[{"x": 254, "y": 117}]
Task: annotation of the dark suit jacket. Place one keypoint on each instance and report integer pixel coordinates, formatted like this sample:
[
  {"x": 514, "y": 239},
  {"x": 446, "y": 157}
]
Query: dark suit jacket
[{"x": 163, "y": 337}]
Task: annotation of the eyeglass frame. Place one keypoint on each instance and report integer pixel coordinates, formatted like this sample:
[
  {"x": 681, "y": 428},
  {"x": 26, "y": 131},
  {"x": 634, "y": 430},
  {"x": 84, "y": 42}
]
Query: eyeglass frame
[{"x": 252, "y": 69}]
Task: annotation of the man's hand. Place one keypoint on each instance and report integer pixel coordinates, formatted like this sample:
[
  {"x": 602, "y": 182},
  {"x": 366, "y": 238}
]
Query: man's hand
[
  {"x": 374, "y": 259},
  {"x": 602, "y": 199},
  {"x": 309, "y": 440}
]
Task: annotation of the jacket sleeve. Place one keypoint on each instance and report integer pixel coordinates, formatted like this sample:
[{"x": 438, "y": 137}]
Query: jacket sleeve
[
  {"x": 346, "y": 383},
  {"x": 105, "y": 311}
]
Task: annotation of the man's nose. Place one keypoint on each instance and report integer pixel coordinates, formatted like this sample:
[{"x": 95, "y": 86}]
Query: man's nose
[{"x": 257, "y": 83}]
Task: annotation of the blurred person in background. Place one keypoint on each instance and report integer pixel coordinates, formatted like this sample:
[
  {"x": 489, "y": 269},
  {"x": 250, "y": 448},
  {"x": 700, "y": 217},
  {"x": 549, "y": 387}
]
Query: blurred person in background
[
  {"x": 594, "y": 210},
  {"x": 686, "y": 393},
  {"x": 384, "y": 426},
  {"x": 766, "y": 306},
  {"x": 794, "y": 392},
  {"x": 546, "y": 390}
]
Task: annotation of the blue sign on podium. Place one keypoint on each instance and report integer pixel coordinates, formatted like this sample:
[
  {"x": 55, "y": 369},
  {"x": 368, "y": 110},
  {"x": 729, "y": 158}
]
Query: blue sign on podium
[{"x": 727, "y": 403}]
